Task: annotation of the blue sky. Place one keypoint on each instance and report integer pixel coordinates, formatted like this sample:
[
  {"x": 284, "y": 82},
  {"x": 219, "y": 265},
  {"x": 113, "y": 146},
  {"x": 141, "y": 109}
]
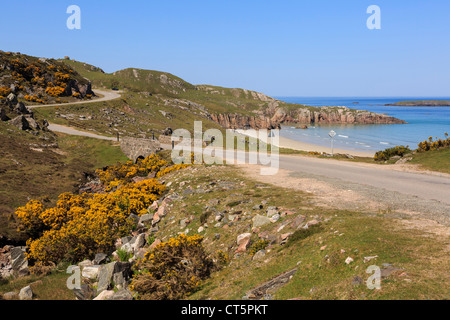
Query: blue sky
[{"x": 281, "y": 48}]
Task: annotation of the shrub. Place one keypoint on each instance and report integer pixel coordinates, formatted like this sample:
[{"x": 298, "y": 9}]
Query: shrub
[
  {"x": 257, "y": 246},
  {"x": 173, "y": 269},
  {"x": 391, "y": 152},
  {"x": 124, "y": 255},
  {"x": 54, "y": 91},
  {"x": 430, "y": 145},
  {"x": 80, "y": 226},
  {"x": 302, "y": 234},
  {"x": 223, "y": 258}
]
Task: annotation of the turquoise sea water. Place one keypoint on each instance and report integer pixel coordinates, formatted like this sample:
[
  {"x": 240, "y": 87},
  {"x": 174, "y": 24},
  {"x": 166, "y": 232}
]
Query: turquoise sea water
[{"x": 423, "y": 122}]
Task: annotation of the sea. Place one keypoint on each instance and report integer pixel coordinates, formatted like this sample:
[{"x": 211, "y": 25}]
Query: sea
[{"x": 423, "y": 122}]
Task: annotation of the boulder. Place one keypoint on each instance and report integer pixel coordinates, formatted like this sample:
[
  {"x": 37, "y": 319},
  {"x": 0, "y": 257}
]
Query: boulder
[
  {"x": 21, "y": 109},
  {"x": 259, "y": 255},
  {"x": 21, "y": 123},
  {"x": 91, "y": 272},
  {"x": 243, "y": 241},
  {"x": 123, "y": 294},
  {"x": 105, "y": 295},
  {"x": 19, "y": 261},
  {"x": 100, "y": 258},
  {"x": 146, "y": 219},
  {"x": 154, "y": 244},
  {"x": 10, "y": 296},
  {"x": 275, "y": 218},
  {"x": 85, "y": 263},
  {"x": 84, "y": 293},
  {"x": 135, "y": 218},
  {"x": 119, "y": 280},
  {"x": 26, "y": 293},
  {"x": 3, "y": 116},
  {"x": 138, "y": 242},
  {"x": 105, "y": 276},
  {"x": 271, "y": 211},
  {"x": 259, "y": 221},
  {"x": 297, "y": 222},
  {"x": 12, "y": 99},
  {"x": 153, "y": 207}
]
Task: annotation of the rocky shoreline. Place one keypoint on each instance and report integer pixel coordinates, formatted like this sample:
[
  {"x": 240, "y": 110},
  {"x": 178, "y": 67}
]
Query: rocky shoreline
[{"x": 303, "y": 116}]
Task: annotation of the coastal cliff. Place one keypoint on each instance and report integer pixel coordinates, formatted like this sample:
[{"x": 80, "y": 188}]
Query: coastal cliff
[{"x": 273, "y": 119}]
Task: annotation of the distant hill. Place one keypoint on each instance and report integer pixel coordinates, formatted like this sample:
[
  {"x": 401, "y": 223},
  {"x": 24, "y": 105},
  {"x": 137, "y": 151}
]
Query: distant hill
[
  {"x": 421, "y": 103},
  {"x": 232, "y": 108}
]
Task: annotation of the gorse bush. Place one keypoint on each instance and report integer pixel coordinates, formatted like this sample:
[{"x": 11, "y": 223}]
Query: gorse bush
[
  {"x": 430, "y": 145},
  {"x": 257, "y": 246},
  {"x": 392, "y": 152},
  {"x": 82, "y": 225},
  {"x": 173, "y": 269}
]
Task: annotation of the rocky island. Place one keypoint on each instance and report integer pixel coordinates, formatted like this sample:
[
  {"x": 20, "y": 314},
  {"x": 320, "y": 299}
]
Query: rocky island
[{"x": 421, "y": 103}]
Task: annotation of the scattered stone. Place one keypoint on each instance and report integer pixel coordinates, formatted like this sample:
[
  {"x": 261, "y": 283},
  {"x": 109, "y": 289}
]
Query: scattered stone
[
  {"x": 146, "y": 219},
  {"x": 386, "y": 272},
  {"x": 297, "y": 222},
  {"x": 270, "y": 287},
  {"x": 105, "y": 295},
  {"x": 271, "y": 211},
  {"x": 84, "y": 293},
  {"x": 243, "y": 241},
  {"x": 349, "y": 260},
  {"x": 19, "y": 262},
  {"x": 91, "y": 272},
  {"x": 105, "y": 275},
  {"x": 357, "y": 281},
  {"x": 275, "y": 218},
  {"x": 258, "y": 207},
  {"x": 259, "y": 255},
  {"x": 154, "y": 207},
  {"x": 311, "y": 223},
  {"x": 85, "y": 263},
  {"x": 367, "y": 259},
  {"x": 138, "y": 242},
  {"x": 10, "y": 296},
  {"x": 26, "y": 293},
  {"x": 154, "y": 244},
  {"x": 123, "y": 295},
  {"x": 259, "y": 221},
  {"x": 100, "y": 258}
]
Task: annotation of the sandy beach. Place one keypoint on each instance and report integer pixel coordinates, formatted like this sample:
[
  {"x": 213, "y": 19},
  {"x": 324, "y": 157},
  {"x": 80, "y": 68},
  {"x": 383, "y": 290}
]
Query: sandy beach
[
  {"x": 303, "y": 146},
  {"x": 297, "y": 145}
]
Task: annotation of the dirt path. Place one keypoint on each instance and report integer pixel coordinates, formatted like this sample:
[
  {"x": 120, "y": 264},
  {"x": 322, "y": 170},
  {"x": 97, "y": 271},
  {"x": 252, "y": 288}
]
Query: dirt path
[
  {"x": 106, "y": 96},
  {"x": 75, "y": 132}
]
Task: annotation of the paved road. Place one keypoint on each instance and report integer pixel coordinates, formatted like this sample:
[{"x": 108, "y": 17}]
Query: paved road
[
  {"x": 421, "y": 185},
  {"x": 75, "y": 132},
  {"x": 425, "y": 186}
]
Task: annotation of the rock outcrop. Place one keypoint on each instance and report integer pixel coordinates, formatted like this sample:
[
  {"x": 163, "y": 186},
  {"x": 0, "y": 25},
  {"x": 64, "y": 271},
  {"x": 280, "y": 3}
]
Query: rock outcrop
[{"x": 303, "y": 115}]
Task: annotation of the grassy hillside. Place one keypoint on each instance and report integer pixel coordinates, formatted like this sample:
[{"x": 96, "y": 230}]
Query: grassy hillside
[
  {"x": 319, "y": 253},
  {"x": 43, "y": 167},
  {"x": 40, "y": 80},
  {"x": 438, "y": 160}
]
